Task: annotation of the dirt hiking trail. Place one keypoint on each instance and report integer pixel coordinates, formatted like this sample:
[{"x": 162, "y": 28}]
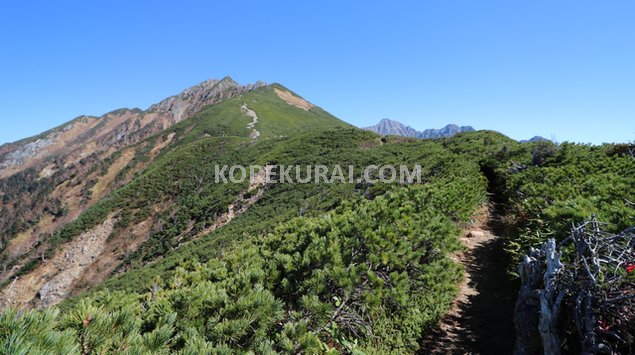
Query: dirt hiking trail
[
  {"x": 254, "y": 119},
  {"x": 481, "y": 319}
]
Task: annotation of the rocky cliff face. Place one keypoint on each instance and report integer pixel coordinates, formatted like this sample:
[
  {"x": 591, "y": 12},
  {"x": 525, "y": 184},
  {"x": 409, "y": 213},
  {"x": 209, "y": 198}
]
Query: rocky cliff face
[
  {"x": 87, "y": 135},
  {"x": 390, "y": 127},
  {"x": 195, "y": 98},
  {"x": 21, "y": 154}
]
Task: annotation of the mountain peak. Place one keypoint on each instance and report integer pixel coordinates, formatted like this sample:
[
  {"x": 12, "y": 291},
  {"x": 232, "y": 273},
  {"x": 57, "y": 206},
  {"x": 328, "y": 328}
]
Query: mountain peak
[
  {"x": 200, "y": 95},
  {"x": 86, "y": 135},
  {"x": 535, "y": 139},
  {"x": 387, "y": 120},
  {"x": 447, "y": 131},
  {"x": 229, "y": 79},
  {"x": 387, "y": 126}
]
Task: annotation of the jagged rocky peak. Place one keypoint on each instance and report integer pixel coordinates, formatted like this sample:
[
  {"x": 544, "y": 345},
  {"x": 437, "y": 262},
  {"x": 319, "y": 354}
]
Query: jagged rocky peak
[
  {"x": 200, "y": 95},
  {"x": 447, "y": 131},
  {"x": 208, "y": 87},
  {"x": 391, "y": 127}
]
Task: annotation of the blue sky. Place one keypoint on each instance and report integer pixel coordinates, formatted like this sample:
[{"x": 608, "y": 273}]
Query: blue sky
[{"x": 557, "y": 68}]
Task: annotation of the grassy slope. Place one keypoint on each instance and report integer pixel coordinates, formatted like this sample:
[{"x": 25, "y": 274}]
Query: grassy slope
[{"x": 275, "y": 118}]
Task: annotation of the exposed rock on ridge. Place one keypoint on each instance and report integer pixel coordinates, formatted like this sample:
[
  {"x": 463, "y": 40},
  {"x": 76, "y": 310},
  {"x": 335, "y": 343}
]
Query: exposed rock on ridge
[{"x": 86, "y": 135}]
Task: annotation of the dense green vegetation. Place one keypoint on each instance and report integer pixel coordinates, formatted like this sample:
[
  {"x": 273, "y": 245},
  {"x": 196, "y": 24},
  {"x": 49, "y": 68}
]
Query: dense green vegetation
[
  {"x": 275, "y": 118},
  {"x": 543, "y": 188},
  {"x": 556, "y": 186},
  {"x": 370, "y": 274},
  {"x": 315, "y": 268},
  {"x": 380, "y": 253},
  {"x": 197, "y": 193},
  {"x": 217, "y": 131}
]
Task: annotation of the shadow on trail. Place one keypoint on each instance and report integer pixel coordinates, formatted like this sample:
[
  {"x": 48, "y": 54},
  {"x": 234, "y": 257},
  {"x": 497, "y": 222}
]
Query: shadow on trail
[
  {"x": 482, "y": 322},
  {"x": 489, "y": 314}
]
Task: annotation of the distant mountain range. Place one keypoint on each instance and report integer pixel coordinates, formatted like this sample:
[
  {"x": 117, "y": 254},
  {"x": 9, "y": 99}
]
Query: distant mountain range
[
  {"x": 534, "y": 139},
  {"x": 387, "y": 127},
  {"x": 390, "y": 127}
]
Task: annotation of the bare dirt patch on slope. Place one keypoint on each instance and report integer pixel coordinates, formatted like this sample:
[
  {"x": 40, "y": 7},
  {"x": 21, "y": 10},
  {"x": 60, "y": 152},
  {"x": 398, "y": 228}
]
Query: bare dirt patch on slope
[
  {"x": 101, "y": 187},
  {"x": 245, "y": 199},
  {"x": 293, "y": 100},
  {"x": 24, "y": 241},
  {"x": 114, "y": 252},
  {"x": 51, "y": 281},
  {"x": 162, "y": 144}
]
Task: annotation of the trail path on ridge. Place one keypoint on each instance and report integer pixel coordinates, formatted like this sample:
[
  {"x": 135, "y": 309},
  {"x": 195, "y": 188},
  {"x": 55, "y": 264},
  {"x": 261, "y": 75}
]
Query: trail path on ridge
[
  {"x": 254, "y": 119},
  {"x": 481, "y": 319}
]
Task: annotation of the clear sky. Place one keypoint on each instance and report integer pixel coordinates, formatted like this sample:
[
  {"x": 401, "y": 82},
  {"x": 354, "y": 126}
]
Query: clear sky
[{"x": 563, "y": 69}]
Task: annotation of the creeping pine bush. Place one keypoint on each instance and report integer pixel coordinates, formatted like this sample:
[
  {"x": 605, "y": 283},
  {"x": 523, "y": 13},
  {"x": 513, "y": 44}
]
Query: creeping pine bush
[{"x": 370, "y": 275}]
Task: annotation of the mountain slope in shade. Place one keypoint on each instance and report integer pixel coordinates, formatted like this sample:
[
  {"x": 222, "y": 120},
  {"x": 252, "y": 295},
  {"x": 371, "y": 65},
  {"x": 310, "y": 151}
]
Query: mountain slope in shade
[{"x": 389, "y": 127}]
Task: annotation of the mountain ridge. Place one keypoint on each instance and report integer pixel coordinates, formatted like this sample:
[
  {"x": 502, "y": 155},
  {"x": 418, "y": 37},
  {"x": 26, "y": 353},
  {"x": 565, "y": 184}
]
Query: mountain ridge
[
  {"x": 391, "y": 127},
  {"x": 386, "y": 127},
  {"x": 60, "y": 182},
  {"x": 120, "y": 127},
  {"x": 535, "y": 139}
]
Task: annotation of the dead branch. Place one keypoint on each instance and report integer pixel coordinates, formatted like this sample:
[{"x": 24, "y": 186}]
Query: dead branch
[{"x": 594, "y": 288}]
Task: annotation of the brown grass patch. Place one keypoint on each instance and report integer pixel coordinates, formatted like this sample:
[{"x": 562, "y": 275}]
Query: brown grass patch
[
  {"x": 293, "y": 100},
  {"x": 101, "y": 187}
]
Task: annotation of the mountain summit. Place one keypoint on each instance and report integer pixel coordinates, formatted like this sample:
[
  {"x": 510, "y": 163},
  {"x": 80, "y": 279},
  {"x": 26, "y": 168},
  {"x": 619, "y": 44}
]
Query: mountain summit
[
  {"x": 390, "y": 127},
  {"x": 387, "y": 127}
]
